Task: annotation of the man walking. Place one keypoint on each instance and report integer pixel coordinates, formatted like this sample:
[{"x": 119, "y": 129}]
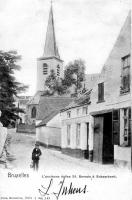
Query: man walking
[{"x": 35, "y": 156}]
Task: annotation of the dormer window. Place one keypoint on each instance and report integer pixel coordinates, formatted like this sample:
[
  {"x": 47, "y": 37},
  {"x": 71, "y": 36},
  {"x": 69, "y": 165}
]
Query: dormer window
[
  {"x": 125, "y": 75},
  {"x": 45, "y": 68}
]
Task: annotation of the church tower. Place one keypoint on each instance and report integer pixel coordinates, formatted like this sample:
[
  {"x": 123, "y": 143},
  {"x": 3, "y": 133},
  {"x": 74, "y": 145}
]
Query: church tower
[{"x": 51, "y": 58}]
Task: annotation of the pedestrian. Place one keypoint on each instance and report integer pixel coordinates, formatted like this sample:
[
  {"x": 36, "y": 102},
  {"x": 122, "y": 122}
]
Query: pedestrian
[{"x": 36, "y": 153}]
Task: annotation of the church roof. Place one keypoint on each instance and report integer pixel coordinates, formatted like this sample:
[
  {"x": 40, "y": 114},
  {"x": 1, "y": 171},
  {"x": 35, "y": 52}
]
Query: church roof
[
  {"x": 48, "y": 117},
  {"x": 35, "y": 99},
  {"x": 50, "y": 105},
  {"x": 51, "y": 48}
]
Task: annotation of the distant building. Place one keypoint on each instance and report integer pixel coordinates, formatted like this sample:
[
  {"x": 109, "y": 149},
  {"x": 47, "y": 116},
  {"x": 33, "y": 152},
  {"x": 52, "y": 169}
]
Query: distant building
[
  {"x": 32, "y": 107},
  {"x": 21, "y": 102},
  {"x": 51, "y": 59}
]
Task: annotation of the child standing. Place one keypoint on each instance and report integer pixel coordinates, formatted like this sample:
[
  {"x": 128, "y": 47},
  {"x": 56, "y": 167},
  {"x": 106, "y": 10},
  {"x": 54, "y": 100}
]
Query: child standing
[{"x": 36, "y": 153}]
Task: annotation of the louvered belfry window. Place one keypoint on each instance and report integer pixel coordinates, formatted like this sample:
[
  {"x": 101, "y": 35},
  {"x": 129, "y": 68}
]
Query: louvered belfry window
[
  {"x": 125, "y": 75},
  {"x": 58, "y": 70},
  {"x": 45, "y": 68}
]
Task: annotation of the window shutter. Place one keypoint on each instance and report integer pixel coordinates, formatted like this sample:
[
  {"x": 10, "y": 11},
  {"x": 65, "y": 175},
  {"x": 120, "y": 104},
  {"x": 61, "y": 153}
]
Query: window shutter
[
  {"x": 100, "y": 91},
  {"x": 116, "y": 126},
  {"x": 129, "y": 127}
]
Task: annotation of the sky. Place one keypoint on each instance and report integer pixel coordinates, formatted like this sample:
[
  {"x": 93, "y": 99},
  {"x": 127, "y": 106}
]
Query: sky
[{"x": 85, "y": 29}]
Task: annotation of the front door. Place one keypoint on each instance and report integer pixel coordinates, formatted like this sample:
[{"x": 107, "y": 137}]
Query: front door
[
  {"x": 108, "y": 147},
  {"x": 98, "y": 139}
]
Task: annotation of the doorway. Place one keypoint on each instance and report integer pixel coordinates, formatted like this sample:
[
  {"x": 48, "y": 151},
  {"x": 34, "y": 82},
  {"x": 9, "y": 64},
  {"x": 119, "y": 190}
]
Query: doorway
[
  {"x": 103, "y": 149},
  {"x": 87, "y": 150},
  {"x": 108, "y": 147}
]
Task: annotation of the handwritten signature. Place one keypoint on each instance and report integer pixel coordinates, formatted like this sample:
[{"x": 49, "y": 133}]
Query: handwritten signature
[{"x": 61, "y": 189}]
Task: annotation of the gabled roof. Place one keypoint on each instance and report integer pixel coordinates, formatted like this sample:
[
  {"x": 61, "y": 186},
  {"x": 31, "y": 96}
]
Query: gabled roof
[
  {"x": 48, "y": 118},
  {"x": 50, "y": 106},
  {"x": 51, "y": 48}
]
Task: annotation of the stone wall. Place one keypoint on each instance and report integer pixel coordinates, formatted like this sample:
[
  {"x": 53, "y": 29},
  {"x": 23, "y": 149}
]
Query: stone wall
[{"x": 26, "y": 128}]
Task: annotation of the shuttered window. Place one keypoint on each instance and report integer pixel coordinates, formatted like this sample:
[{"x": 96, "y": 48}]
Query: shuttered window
[
  {"x": 100, "y": 92},
  {"x": 125, "y": 74},
  {"x": 127, "y": 126},
  {"x": 116, "y": 127}
]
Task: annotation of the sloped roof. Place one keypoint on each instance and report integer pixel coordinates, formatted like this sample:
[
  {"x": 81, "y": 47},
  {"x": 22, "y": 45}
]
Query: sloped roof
[
  {"x": 35, "y": 99},
  {"x": 50, "y": 106},
  {"x": 82, "y": 100},
  {"x": 48, "y": 118}
]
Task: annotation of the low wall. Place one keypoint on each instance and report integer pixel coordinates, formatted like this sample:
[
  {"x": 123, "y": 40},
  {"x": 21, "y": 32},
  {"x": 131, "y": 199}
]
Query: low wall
[
  {"x": 26, "y": 128},
  {"x": 49, "y": 136},
  {"x": 122, "y": 156},
  {"x": 77, "y": 153}
]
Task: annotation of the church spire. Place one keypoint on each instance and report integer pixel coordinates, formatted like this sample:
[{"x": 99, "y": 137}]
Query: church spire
[{"x": 50, "y": 48}]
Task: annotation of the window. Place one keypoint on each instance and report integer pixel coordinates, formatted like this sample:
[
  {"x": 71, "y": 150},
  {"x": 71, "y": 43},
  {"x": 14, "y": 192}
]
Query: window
[
  {"x": 116, "y": 127},
  {"x": 127, "y": 126},
  {"x": 45, "y": 68},
  {"x": 78, "y": 110},
  {"x": 58, "y": 70},
  {"x": 85, "y": 110},
  {"x": 33, "y": 112},
  {"x": 68, "y": 134},
  {"x": 100, "y": 92},
  {"x": 78, "y": 128},
  {"x": 125, "y": 75},
  {"x": 69, "y": 114}
]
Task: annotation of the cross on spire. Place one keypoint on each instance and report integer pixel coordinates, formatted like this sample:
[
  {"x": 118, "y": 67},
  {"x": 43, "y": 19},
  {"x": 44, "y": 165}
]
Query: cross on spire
[
  {"x": 50, "y": 48},
  {"x": 51, "y": 2}
]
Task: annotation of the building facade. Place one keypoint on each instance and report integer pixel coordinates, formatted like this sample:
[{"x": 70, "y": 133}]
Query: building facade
[
  {"x": 75, "y": 128},
  {"x": 110, "y": 109},
  {"x": 105, "y": 131}
]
